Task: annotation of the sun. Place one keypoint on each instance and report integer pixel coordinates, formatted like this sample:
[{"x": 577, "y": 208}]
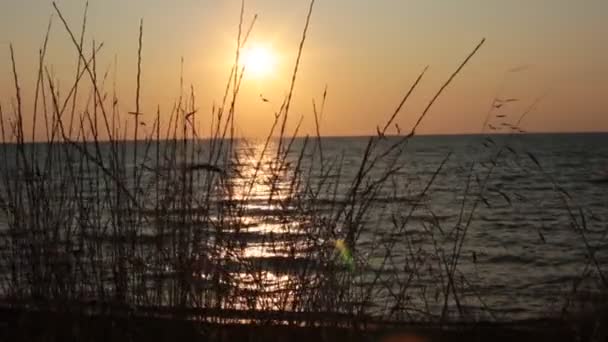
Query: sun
[{"x": 259, "y": 61}]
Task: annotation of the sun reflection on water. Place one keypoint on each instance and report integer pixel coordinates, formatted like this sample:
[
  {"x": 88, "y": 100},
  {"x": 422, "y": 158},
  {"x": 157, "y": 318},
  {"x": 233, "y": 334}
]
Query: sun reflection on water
[{"x": 267, "y": 241}]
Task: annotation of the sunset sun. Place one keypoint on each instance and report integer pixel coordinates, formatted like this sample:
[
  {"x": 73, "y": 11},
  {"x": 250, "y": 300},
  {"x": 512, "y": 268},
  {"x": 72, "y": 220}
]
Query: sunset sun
[{"x": 259, "y": 61}]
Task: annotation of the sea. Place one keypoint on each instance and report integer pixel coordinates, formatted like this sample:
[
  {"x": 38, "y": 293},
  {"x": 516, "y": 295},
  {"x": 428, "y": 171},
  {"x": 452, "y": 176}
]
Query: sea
[{"x": 498, "y": 227}]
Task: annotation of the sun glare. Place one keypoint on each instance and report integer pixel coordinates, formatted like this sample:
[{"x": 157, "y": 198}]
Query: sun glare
[{"x": 259, "y": 61}]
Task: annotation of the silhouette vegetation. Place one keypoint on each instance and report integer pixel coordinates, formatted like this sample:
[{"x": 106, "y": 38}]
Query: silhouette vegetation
[{"x": 156, "y": 224}]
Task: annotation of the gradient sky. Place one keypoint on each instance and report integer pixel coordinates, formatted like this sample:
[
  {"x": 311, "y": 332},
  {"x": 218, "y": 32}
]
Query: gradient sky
[{"x": 366, "y": 52}]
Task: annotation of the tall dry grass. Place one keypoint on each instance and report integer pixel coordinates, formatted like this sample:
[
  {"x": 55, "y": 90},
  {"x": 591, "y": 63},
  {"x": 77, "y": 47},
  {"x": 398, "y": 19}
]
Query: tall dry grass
[{"x": 158, "y": 224}]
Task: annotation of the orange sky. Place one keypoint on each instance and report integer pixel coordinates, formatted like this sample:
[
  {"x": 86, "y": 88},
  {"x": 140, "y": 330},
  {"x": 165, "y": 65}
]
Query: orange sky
[{"x": 366, "y": 52}]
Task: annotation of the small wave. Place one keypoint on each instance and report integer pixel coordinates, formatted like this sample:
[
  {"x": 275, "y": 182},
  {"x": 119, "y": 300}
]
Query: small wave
[
  {"x": 509, "y": 259},
  {"x": 600, "y": 180}
]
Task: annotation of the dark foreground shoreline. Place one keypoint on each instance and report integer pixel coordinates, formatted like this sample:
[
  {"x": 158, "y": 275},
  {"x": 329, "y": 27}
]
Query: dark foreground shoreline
[{"x": 19, "y": 324}]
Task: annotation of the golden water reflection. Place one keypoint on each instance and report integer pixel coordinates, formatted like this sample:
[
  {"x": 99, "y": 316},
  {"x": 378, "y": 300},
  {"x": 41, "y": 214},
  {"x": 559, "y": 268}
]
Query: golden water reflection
[{"x": 270, "y": 247}]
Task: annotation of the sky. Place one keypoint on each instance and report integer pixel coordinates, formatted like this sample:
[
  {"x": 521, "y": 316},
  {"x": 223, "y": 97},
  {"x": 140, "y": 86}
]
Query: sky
[{"x": 367, "y": 53}]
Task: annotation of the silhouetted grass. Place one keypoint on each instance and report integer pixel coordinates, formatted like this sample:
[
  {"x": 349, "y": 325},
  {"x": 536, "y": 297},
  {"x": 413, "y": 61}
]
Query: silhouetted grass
[{"x": 161, "y": 225}]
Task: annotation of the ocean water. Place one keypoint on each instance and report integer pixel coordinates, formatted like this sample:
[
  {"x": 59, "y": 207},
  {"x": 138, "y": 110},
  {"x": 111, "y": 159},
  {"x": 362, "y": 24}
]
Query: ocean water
[
  {"x": 470, "y": 226},
  {"x": 543, "y": 210}
]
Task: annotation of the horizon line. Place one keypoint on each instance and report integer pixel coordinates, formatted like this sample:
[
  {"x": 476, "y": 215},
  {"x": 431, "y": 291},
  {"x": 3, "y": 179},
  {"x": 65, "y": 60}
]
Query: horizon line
[{"x": 332, "y": 136}]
